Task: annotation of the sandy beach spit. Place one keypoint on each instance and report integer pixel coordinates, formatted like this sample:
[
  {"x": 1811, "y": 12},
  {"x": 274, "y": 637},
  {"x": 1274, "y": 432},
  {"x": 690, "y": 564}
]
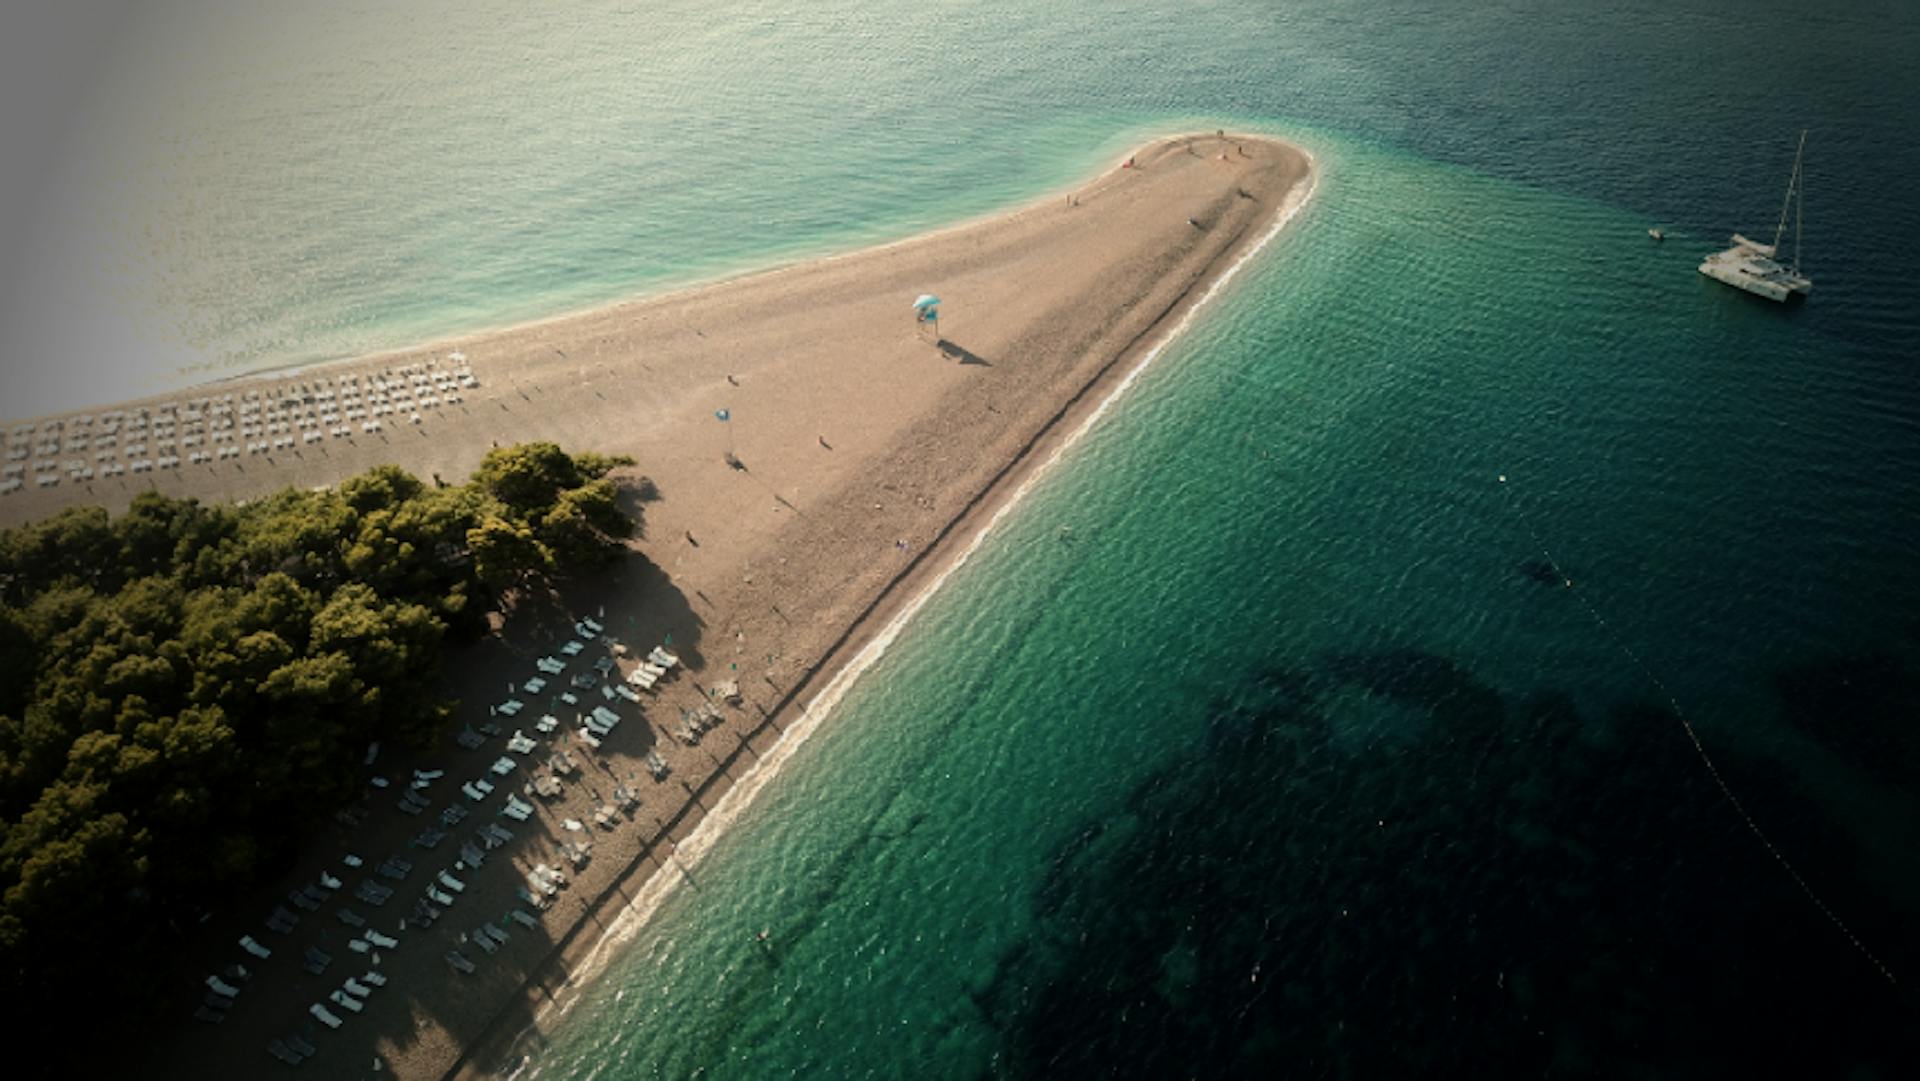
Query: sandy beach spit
[{"x": 864, "y": 448}]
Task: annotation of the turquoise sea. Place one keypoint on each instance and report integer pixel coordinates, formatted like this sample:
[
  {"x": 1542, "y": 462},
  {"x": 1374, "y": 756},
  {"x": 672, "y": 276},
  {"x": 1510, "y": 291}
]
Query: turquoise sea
[{"x": 1264, "y": 739}]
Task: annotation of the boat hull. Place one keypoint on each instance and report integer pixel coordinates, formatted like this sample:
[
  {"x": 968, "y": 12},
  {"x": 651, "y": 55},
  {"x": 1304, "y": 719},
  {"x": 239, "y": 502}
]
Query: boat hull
[{"x": 1775, "y": 283}]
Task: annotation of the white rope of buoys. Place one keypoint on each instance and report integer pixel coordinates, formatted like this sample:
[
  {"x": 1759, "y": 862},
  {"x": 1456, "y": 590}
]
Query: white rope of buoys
[{"x": 1713, "y": 770}]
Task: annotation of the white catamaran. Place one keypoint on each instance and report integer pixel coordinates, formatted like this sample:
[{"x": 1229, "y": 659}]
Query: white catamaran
[{"x": 1753, "y": 266}]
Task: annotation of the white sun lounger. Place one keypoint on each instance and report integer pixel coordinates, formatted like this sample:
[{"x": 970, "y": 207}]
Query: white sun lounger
[
  {"x": 325, "y": 1015},
  {"x": 511, "y": 706},
  {"x": 572, "y": 648},
  {"x": 452, "y": 883},
  {"x": 503, "y": 766},
  {"x": 222, "y": 987},
  {"x": 534, "y": 685},
  {"x": 385, "y": 942},
  {"x": 356, "y": 988}
]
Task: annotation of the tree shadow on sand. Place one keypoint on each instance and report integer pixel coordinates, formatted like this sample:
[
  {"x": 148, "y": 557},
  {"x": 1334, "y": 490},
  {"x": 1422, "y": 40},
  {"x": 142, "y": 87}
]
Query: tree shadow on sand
[
  {"x": 632, "y": 598},
  {"x": 638, "y": 607},
  {"x": 632, "y": 496}
]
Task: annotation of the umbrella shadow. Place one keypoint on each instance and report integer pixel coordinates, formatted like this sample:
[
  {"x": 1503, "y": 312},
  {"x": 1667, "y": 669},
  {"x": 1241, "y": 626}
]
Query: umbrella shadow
[{"x": 962, "y": 353}]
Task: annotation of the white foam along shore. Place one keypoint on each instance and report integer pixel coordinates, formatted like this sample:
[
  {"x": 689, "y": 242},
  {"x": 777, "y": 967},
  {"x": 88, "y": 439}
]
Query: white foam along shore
[{"x": 741, "y": 796}]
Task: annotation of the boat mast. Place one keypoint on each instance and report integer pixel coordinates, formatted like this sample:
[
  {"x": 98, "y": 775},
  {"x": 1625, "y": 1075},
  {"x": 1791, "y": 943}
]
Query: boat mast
[
  {"x": 1799, "y": 200},
  {"x": 1786, "y": 204}
]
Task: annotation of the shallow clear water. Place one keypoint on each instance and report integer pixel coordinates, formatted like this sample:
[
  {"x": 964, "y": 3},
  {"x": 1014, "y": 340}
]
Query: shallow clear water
[{"x": 1263, "y": 739}]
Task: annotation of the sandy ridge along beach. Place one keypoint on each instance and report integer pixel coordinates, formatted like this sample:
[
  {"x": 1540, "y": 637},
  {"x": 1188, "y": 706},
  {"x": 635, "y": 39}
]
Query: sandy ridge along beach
[{"x": 870, "y": 453}]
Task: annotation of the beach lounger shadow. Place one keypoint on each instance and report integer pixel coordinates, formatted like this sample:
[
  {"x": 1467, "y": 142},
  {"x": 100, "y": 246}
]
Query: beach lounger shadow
[{"x": 962, "y": 353}]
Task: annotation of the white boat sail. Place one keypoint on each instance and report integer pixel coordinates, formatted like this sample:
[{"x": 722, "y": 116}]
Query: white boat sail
[{"x": 1754, "y": 266}]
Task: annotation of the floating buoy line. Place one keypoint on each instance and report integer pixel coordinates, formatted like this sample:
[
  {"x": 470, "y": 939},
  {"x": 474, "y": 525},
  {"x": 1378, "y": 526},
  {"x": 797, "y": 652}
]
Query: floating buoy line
[{"x": 1700, "y": 749}]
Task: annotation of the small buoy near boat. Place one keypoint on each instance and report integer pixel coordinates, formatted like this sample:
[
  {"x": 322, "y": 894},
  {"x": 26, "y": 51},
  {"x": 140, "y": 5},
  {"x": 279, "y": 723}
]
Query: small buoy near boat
[{"x": 1503, "y": 478}]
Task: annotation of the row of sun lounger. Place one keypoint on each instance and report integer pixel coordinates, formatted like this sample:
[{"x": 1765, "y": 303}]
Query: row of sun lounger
[
  {"x": 284, "y": 1050},
  {"x": 221, "y": 994},
  {"x": 224, "y": 411},
  {"x": 444, "y": 888},
  {"x": 48, "y": 472},
  {"x": 349, "y": 998},
  {"x": 259, "y": 420}
]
